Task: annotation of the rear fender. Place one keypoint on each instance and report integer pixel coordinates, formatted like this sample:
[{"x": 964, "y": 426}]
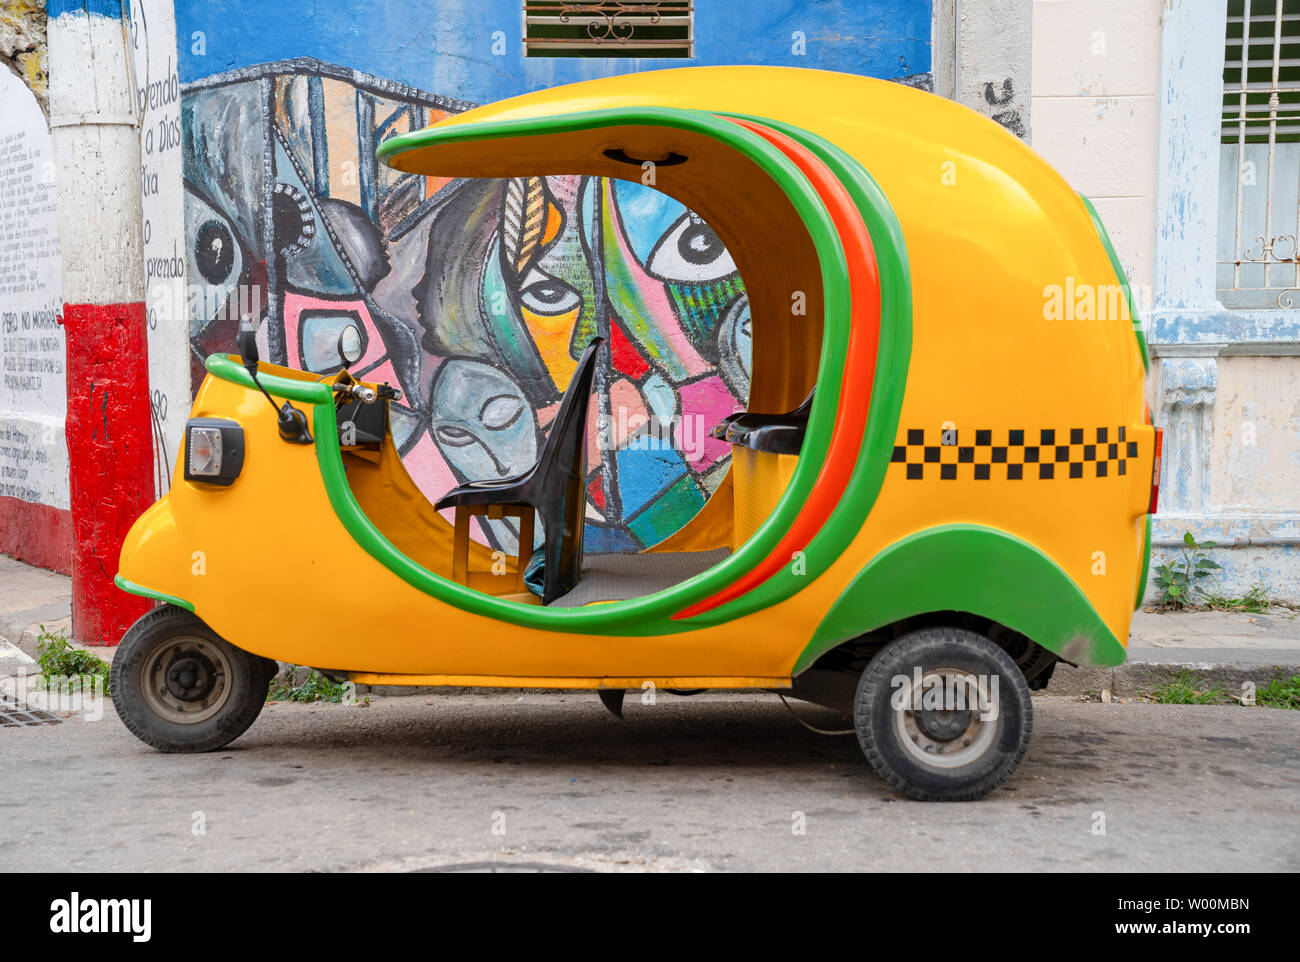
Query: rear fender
[{"x": 973, "y": 569}]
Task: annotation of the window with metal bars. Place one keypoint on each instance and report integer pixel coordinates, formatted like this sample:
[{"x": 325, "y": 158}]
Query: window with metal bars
[
  {"x": 1259, "y": 163},
  {"x": 613, "y": 28}
]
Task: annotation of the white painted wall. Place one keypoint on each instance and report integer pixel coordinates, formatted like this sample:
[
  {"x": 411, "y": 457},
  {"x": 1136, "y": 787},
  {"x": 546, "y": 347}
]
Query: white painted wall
[
  {"x": 1126, "y": 98},
  {"x": 1096, "y": 71},
  {"x": 162, "y": 199},
  {"x": 95, "y": 137},
  {"x": 980, "y": 56},
  {"x": 33, "y": 394},
  {"x": 1257, "y": 424}
]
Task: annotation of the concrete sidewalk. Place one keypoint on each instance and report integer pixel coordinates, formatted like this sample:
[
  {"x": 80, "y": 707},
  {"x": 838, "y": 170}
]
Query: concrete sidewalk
[
  {"x": 30, "y": 597},
  {"x": 1225, "y": 647}
]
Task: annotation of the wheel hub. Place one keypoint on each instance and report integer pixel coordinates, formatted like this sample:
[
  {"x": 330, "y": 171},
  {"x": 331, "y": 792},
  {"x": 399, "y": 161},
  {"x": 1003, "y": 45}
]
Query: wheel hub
[
  {"x": 943, "y": 725},
  {"x": 186, "y": 679},
  {"x": 947, "y": 737},
  {"x": 190, "y": 676}
]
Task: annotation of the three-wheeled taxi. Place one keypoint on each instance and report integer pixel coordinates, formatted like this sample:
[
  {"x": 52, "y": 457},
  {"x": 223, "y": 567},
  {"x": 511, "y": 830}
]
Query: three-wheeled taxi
[{"x": 941, "y": 486}]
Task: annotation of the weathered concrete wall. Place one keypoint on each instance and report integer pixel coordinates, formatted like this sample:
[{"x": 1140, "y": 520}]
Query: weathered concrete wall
[
  {"x": 1255, "y": 422},
  {"x": 1232, "y": 464},
  {"x": 35, "y": 524},
  {"x": 22, "y": 45},
  {"x": 1096, "y": 72},
  {"x": 1126, "y": 100},
  {"x": 1227, "y": 379},
  {"x": 110, "y": 446},
  {"x": 981, "y": 51}
]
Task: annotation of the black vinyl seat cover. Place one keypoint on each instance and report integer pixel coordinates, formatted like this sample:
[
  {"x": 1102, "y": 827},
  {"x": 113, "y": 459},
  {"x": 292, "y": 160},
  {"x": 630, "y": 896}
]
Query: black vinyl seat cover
[
  {"x": 555, "y": 487},
  {"x": 773, "y": 433}
]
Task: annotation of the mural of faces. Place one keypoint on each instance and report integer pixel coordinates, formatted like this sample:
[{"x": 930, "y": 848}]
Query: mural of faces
[{"x": 474, "y": 297}]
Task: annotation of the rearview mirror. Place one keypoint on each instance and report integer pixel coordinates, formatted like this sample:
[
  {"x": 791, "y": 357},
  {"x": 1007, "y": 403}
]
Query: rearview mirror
[{"x": 349, "y": 345}]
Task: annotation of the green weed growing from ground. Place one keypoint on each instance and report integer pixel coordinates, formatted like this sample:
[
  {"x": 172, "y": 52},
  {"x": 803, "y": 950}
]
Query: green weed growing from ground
[
  {"x": 1280, "y": 693},
  {"x": 60, "y": 659},
  {"x": 316, "y": 687},
  {"x": 1186, "y": 689}
]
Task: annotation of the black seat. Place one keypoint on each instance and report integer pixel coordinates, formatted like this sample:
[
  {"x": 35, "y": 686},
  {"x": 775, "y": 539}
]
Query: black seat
[
  {"x": 773, "y": 433},
  {"x": 554, "y": 487}
]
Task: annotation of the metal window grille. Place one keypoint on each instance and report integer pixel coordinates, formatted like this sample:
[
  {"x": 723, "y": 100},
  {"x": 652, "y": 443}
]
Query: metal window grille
[
  {"x": 1259, "y": 206},
  {"x": 613, "y": 28}
]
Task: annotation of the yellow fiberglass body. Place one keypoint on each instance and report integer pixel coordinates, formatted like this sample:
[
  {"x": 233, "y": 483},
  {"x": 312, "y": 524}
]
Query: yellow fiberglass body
[{"x": 995, "y": 460}]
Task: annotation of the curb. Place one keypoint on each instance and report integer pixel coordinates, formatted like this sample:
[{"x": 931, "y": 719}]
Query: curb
[
  {"x": 1142, "y": 676},
  {"x": 26, "y": 638}
]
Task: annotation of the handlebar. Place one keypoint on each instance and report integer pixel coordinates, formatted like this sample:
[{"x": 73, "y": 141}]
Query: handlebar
[{"x": 367, "y": 394}]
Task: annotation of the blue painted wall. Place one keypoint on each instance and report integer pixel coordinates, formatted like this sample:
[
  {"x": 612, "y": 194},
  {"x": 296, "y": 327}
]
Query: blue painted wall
[
  {"x": 105, "y": 8},
  {"x": 447, "y": 47}
]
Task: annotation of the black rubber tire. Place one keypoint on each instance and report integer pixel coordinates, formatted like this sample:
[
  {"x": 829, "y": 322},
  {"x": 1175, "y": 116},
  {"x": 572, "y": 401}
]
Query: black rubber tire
[
  {"x": 874, "y": 715},
  {"x": 250, "y": 677}
]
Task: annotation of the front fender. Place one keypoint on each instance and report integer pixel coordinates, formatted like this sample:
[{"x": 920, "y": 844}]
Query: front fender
[
  {"x": 151, "y": 557},
  {"x": 973, "y": 569}
]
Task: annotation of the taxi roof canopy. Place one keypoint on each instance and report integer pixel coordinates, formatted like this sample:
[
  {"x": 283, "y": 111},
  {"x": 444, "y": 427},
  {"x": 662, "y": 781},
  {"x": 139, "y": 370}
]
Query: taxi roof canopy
[{"x": 985, "y": 220}]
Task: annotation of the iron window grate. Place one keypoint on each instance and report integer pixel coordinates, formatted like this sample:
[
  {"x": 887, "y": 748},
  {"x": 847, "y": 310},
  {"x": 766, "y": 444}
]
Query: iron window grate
[
  {"x": 1259, "y": 186},
  {"x": 1261, "y": 73},
  {"x": 612, "y": 28}
]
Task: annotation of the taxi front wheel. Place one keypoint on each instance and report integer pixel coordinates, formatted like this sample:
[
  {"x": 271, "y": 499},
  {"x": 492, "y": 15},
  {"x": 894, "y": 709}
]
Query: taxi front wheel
[
  {"x": 180, "y": 687},
  {"x": 943, "y": 714}
]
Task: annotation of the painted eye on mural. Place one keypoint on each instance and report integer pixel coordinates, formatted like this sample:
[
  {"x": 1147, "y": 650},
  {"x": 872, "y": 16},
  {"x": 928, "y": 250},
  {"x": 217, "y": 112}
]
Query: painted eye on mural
[
  {"x": 499, "y": 412},
  {"x": 214, "y": 251},
  {"x": 543, "y": 294},
  {"x": 453, "y": 437},
  {"x": 690, "y": 251},
  {"x": 291, "y": 219},
  {"x": 214, "y": 260}
]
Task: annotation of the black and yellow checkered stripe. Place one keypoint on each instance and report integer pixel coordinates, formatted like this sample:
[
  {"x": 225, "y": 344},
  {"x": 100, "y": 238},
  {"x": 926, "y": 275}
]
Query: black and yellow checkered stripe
[{"x": 1014, "y": 454}]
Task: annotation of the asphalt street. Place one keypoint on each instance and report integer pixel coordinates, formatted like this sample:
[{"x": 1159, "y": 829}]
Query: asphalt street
[{"x": 713, "y": 782}]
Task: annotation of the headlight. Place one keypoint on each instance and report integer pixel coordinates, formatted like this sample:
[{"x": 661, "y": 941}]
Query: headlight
[
  {"x": 205, "y": 452},
  {"x": 214, "y": 450}
]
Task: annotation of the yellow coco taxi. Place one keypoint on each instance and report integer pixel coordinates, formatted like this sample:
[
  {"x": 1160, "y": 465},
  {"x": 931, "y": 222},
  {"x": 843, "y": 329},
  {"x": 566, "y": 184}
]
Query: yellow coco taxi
[{"x": 940, "y": 487}]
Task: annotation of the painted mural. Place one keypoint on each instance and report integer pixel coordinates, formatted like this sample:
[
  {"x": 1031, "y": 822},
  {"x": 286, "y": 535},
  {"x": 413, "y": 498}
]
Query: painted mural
[{"x": 474, "y": 297}]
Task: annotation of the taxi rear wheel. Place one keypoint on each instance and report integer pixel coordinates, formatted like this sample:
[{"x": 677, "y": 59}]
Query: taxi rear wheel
[
  {"x": 943, "y": 714},
  {"x": 180, "y": 687}
]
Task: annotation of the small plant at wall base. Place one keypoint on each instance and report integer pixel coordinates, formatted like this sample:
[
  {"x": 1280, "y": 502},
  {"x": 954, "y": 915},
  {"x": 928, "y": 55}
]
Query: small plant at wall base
[
  {"x": 1280, "y": 693},
  {"x": 1178, "y": 581},
  {"x": 316, "y": 687},
  {"x": 59, "y": 659},
  {"x": 1253, "y": 601},
  {"x": 1185, "y": 689}
]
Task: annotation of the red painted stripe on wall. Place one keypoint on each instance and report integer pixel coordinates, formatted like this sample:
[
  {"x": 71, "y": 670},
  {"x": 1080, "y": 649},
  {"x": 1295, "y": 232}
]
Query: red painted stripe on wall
[
  {"x": 110, "y": 459},
  {"x": 36, "y": 534}
]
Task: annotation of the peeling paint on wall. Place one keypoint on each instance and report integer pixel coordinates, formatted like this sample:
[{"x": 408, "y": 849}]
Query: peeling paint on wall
[{"x": 1230, "y": 377}]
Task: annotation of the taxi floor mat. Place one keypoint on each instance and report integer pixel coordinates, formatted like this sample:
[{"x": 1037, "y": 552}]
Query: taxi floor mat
[{"x": 617, "y": 577}]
